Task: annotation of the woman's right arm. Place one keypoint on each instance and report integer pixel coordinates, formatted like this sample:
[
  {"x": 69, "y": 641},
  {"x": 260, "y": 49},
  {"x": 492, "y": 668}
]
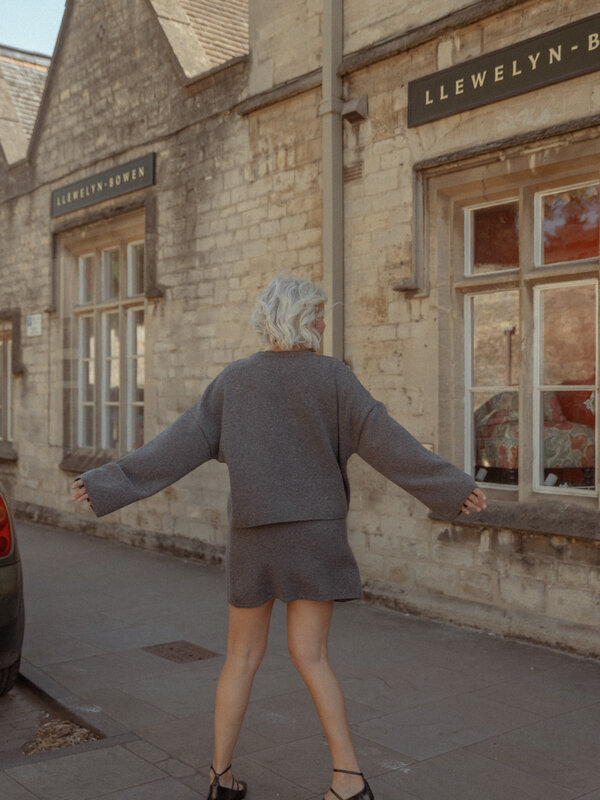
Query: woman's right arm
[{"x": 179, "y": 449}]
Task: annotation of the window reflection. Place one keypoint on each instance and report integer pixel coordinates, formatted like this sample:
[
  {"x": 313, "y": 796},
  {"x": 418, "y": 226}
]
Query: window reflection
[
  {"x": 568, "y": 441},
  {"x": 567, "y": 356},
  {"x": 496, "y": 339},
  {"x": 570, "y": 225},
  {"x": 495, "y": 237},
  {"x": 569, "y": 335},
  {"x": 496, "y": 422}
]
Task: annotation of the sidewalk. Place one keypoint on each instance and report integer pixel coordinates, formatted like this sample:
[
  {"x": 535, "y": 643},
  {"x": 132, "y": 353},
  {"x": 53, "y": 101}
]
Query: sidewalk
[{"x": 438, "y": 712}]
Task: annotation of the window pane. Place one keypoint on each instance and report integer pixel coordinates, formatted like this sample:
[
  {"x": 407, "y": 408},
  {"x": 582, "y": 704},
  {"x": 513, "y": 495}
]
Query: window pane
[
  {"x": 496, "y": 339},
  {"x": 568, "y": 440},
  {"x": 86, "y": 435},
  {"x": 113, "y": 381},
  {"x": 86, "y": 279},
  {"x": 136, "y": 424},
  {"x": 570, "y": 225},
  {"x": 137, "y": 380},
  {"x": 86, "y": 337},
  {"x": 569, "y": 335},
  {"x": 110, "y": 274},
  {"x": 135, "y": 268},
  {"x": 112, "y": 427},
  {"x": 86, "y": 377},
  {"x": 496, "y": 427},
  {"x": 138, "y": 335},
  {"x": 495, "y": 237},
  {"x": 112, "y": 335}
]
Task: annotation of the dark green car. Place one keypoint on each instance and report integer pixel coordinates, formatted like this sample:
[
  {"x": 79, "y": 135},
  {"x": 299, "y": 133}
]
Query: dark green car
[{"x": 12, "y": 614}]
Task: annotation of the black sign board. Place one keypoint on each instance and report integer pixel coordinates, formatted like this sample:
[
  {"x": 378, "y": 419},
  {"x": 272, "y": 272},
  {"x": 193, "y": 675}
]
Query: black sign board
[
  {"x": 113, "y": 182},
  {"x": 556, "y": 56}
]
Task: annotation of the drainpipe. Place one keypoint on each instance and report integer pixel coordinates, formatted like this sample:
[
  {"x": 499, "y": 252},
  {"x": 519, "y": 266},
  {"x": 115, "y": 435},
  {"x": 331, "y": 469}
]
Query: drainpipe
[{"x": 330, "y": 111}]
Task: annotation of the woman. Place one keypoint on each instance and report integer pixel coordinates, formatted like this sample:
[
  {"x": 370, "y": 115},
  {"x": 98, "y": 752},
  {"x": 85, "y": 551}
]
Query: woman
[{"x": 285, "y": 421}]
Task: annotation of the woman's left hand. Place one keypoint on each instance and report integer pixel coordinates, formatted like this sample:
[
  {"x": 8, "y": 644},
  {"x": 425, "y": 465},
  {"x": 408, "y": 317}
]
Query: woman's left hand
[{"x": 474, "y": 502}]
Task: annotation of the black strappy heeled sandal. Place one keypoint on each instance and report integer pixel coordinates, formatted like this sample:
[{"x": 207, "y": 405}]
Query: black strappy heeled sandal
[
  {"x": 364, "y": 794},
  {"x": 218, "y": 792}
]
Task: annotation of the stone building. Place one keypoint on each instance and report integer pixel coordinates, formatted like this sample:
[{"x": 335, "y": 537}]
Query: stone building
[{"x": 435, "y": 166}]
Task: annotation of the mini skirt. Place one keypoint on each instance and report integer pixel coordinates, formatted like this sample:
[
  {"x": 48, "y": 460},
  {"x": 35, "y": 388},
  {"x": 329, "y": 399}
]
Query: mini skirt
[{"x": 306, "y": 560}]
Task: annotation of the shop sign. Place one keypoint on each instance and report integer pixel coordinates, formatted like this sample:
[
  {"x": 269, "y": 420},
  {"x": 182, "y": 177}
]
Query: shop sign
[
  {"x": 553, "y": 57},
  {"x": 113, "y": 182}
]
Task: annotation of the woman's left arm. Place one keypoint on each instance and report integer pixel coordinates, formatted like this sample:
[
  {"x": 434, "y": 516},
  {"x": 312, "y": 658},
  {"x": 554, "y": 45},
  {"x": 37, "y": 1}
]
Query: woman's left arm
[{"x": 395, "y": 453}]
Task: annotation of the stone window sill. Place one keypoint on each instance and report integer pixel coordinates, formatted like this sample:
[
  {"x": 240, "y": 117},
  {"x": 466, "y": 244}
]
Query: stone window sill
[
  {"x": 7, "y": 452},
  {"x": 550, "y": 517},
  {"x": 82, "y": 460}
]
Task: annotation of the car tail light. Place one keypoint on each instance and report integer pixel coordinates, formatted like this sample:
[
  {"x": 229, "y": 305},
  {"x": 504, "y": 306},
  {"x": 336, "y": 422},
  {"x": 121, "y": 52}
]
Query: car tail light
[{"x": 5, "y": 530}]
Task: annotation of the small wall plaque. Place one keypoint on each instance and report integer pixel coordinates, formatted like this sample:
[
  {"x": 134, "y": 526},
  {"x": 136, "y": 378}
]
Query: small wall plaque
[{"x": 34, "y": 325}]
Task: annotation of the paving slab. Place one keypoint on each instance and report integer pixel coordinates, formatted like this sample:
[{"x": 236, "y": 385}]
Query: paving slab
[
  {"x": 86, "y": 775},
  {"x": 434, "y": 728},
  {"x": 463, "y": 775},
  {"x": 11, "y": 789},
  {"x": 438, "y": 711},
  {"x": 167, "y": 789}
]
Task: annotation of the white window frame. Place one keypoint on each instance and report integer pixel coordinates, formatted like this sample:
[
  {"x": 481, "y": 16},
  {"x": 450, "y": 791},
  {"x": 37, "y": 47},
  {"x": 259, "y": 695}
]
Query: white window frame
[{"x": 100, "y": 247}]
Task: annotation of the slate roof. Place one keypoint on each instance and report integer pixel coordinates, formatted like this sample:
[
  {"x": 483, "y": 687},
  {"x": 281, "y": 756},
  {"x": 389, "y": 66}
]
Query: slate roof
[
  {"x": 25, "y": 76},
  {"x": 221, "y": 26}
]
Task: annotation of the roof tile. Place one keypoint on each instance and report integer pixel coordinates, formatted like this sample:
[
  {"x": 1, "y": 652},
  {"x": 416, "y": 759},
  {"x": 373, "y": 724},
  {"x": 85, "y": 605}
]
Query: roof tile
[
  {"x": 221, "y": 26},
  {"x": 25, "y": 76}
]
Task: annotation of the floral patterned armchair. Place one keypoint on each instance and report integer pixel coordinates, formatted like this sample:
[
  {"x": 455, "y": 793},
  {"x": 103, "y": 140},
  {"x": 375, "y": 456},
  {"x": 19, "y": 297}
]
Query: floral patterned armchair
[{"x": 569, "y": 440}]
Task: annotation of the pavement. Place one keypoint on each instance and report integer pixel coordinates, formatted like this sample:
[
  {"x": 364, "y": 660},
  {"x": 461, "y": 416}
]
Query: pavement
[{"x": 438, "y": 711}]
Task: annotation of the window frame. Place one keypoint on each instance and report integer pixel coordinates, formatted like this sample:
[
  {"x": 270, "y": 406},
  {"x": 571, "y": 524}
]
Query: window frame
[
  {"x": 449, "y": 186},
  {"x": 96, "y": 239}
]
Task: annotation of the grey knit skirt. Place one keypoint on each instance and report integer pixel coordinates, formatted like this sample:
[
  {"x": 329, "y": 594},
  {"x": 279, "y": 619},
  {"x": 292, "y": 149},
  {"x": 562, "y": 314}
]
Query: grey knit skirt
[{"x": 309, "y": 560}]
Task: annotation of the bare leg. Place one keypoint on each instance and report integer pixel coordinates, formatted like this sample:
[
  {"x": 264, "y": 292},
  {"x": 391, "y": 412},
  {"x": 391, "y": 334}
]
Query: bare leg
[
  {"x": 246, "y": 645},
  {"x": 308, "y": 627}
]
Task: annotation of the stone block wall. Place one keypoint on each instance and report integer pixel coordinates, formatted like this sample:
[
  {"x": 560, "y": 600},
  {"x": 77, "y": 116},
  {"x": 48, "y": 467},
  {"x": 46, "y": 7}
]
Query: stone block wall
[{"x": 518, "y": 583}]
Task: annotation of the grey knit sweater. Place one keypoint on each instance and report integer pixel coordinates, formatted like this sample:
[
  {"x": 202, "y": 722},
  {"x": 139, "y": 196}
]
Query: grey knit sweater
[{"x": 285, "y": 423}]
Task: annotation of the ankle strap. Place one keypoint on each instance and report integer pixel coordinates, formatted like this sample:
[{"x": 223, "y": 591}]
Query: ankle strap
[
  {"x": 218, "y": 774},
  {"x": 347, "y": 771}
]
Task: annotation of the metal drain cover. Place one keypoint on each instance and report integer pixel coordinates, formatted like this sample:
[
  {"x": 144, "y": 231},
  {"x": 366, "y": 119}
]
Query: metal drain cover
[{"x": 180, "y": 652}]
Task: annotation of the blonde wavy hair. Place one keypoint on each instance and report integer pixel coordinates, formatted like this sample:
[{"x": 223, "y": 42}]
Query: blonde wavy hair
[{"x": 285, "y": 313}]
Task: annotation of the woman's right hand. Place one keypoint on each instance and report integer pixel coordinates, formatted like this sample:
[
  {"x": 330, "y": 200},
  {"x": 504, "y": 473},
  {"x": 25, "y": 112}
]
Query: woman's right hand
[{"x": 79, "y": 492}]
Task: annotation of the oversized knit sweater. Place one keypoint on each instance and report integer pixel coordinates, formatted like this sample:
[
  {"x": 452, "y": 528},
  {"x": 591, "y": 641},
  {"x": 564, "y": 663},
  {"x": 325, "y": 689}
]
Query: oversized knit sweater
[{"x": 285, "y": 423}]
